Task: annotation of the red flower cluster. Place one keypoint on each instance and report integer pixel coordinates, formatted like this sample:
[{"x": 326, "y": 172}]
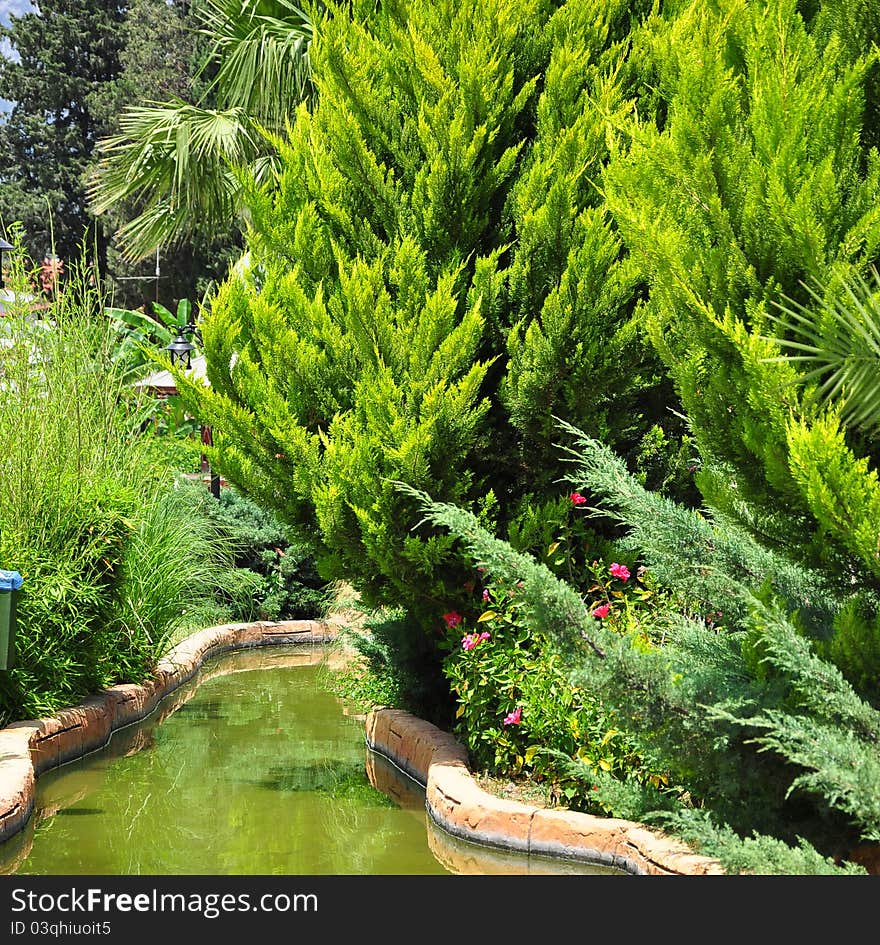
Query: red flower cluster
[
  {"x": 513, "y": 718},
  {"x": 620, "y": 571}
]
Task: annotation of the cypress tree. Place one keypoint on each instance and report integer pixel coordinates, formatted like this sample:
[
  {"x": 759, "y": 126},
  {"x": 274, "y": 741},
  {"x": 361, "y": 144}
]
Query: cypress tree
[
  {"x": 575, "y": 347},
  {"x": 63, "y": 51},
  {"x": 433, "y": 279},
  {"x": 355, "y": 350},
  {"x": 757, "y": 183}
]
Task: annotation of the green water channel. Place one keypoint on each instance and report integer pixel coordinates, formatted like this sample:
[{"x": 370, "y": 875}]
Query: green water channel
[{"x": 251, "y": 768}]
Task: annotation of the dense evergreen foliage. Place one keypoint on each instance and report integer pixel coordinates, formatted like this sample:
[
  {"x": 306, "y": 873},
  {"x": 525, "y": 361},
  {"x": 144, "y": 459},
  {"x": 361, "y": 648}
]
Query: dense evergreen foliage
[
  {"x": 757, "y": 182},
  {"x": 483, "y": 227},
  {"x": 411, "y": 310},
  {"x": 47, "y": 140},
  {"x": 758, "y": 735}
]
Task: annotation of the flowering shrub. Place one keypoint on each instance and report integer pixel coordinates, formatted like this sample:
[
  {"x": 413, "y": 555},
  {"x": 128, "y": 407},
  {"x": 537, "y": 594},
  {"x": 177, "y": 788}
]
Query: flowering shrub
[
  {"x": 515, "y": 701},
  {"x": 629, "y": 602},
  {"x": 619, "y": 591},
  {"x": 620, "y": 571}
]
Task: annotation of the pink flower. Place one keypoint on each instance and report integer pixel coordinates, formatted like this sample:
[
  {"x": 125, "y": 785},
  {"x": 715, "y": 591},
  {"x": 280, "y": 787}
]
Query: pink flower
[
  {"x": 486, "y": 593},
  {"x": 620, "y": 571},
  {"x": 601, "y": 611},
  {"x": 470, "y": 640},
  {"x": 452, "y": 619},
  {"x": 577, "y": 498},
  {"x": 513, "y": 718}
]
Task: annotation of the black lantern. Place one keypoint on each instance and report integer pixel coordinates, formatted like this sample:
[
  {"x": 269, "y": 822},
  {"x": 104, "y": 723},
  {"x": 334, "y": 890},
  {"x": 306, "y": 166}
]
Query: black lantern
[
  {"x": 180, "y": 349},
  {"x": 4, "y": 248}
]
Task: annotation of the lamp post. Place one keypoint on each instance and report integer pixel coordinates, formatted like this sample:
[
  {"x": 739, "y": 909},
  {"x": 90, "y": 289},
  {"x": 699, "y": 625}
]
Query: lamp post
[
  {"x": 4, "y": 248},
  {"x": 180, "y": 350}
]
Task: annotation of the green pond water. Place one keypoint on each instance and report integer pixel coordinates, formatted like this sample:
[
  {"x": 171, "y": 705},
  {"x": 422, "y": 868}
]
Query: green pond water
[{"x": 251, "y": 768}]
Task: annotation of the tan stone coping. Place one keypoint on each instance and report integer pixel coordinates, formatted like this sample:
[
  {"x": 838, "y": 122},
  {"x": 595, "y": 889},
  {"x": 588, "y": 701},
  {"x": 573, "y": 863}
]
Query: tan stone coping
[
  {"x": 460, "y": 806},
  {"x": 29, "y": 748},
  {"x": 432, "y": 757}
]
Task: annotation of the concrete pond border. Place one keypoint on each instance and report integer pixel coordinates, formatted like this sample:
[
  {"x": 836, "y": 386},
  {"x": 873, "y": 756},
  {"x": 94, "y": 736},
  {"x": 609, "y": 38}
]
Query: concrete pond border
[
  {"x": 434, "y": 758},
  {"x": 457, "y": 804}
]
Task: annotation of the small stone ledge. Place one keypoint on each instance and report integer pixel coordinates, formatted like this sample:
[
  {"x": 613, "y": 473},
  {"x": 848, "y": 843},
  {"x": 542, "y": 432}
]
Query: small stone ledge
[
  {"x": 29, "y": 748},
  {"x": 429, "y": 755},
  {"x": 460, "y": 806}
]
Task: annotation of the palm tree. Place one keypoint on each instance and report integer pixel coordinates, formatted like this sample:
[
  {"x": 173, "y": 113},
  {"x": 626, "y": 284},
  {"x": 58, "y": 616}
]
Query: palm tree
[
  {"x": 177, "y": 160},
  {"x": 836, "y": 339}
]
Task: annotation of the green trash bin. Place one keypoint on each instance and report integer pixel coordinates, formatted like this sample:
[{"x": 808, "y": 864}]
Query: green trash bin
[{"x": 10, "y": 583}]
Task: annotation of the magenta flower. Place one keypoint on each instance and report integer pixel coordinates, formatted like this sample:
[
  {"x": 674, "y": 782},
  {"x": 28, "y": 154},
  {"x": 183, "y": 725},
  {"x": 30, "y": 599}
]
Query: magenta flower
[
  {"x": 513, "y": 718},
  {"x": 452, "y": 619},
  {"x": 470, "y": 640},
  {"x": 620, "y": 571},
  {"x": 577, "y": 498},
  {"x": 486, "y": 593},
  {"x": 601, "y": 611}
]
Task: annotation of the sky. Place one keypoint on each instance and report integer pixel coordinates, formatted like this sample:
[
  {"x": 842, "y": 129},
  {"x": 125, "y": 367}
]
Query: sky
[
  {"x": 12, "y": 6},
  {"x": 8, "y": 7}
]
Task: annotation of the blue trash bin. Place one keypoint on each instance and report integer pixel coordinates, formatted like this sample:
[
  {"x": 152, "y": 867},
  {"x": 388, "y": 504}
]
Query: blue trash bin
[{"x": 10, "y": 583}]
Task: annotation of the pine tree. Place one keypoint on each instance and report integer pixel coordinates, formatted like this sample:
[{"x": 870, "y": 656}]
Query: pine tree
[{"x": 64, "y": 51}]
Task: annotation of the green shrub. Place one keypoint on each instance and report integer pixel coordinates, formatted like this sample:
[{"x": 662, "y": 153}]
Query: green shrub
[
  {"x": 88, "y": 517},
  {"x": 518, "y": 713},
  {"x": 176, "y": 558},
  {"x": 274, "y": 578},
  {"x": 747, "y": 721}
]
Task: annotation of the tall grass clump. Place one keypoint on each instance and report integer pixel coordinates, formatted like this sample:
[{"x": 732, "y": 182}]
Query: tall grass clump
[{"x": 86, "y": 516}]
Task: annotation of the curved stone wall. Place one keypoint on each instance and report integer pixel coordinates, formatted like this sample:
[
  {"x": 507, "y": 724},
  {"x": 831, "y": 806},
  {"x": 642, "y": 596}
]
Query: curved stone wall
[
  {"x": 459, "y": 805},
  {"x": 434, "y": 758},
  {"x": 29, "y": 748}
]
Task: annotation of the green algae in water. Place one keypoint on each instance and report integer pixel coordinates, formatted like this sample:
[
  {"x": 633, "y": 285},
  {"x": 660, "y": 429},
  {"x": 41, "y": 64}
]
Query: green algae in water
[
  {"x": 260, "y": 772},
  {"x": 251, "y": 768}
]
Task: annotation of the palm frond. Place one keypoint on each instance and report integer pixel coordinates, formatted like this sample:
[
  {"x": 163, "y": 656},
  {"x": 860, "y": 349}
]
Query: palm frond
[
  {"x": 175, "y": 160},
  {"x": 262, "y": 51},
  {"x": 835, "y": 342}
]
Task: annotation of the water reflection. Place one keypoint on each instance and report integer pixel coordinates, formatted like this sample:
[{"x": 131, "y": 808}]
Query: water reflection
[
  {"x": 249, "y": 768},
  {"x": 461, "y": 856}
]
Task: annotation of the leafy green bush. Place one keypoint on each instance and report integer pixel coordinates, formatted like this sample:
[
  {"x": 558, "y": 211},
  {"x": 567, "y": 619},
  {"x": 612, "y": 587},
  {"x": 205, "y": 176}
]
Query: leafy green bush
[
  {"x": 274, "y": 578},
  {"x": 519, "y": 714},
  {"x": 105, "y": 545}
]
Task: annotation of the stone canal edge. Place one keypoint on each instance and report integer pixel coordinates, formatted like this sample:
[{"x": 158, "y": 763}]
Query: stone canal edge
[{"x": 454, "y": 800}]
